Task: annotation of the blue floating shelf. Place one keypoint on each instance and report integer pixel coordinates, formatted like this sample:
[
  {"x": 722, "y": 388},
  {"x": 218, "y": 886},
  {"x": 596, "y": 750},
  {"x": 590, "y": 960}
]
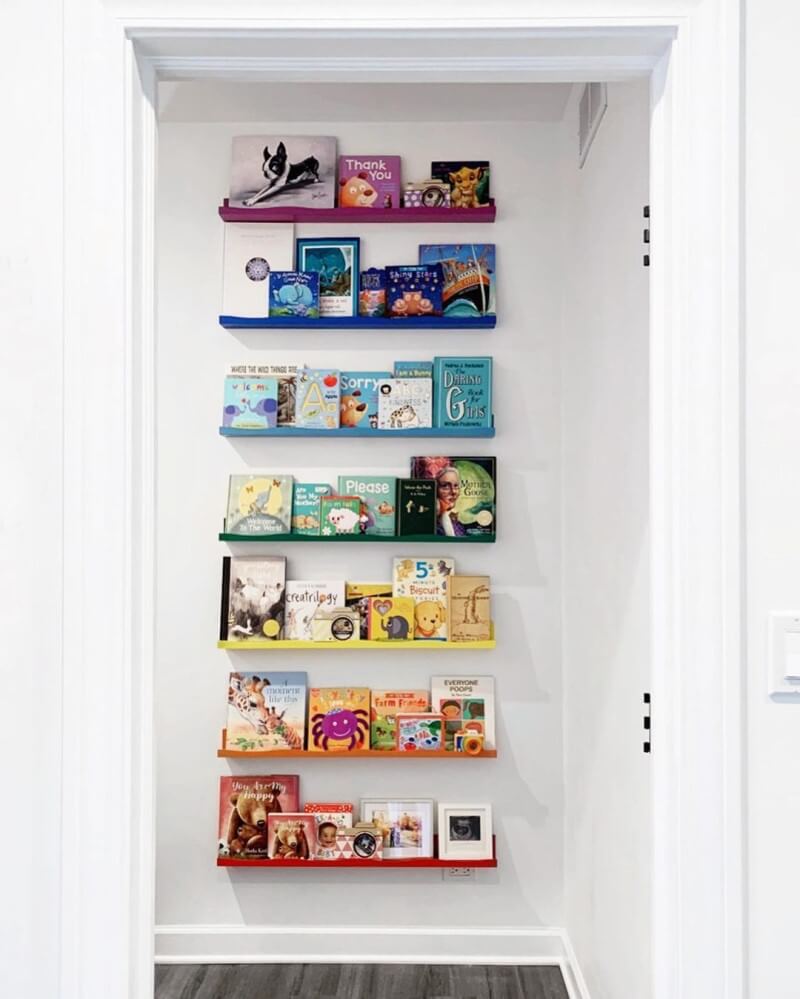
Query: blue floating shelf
[
  {"x": 360, "y": 323},
  {"x": 358, "y": 432}
]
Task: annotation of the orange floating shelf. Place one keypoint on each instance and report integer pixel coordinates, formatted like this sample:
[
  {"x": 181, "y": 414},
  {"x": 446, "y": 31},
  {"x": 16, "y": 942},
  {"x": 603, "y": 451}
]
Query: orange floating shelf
[{"x": 356, "y": 753}]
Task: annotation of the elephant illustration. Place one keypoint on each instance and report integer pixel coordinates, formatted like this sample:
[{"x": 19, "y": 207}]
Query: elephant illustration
[{"x": 395, "y": 627}]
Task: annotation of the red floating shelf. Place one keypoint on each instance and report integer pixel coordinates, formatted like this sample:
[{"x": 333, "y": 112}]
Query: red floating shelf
[
  {"x": 356, "y": 216},
  {"x": 375, "y": 754}
]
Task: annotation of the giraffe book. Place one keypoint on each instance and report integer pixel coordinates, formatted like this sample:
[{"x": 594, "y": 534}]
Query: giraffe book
[{"x": 266, "y": 711}]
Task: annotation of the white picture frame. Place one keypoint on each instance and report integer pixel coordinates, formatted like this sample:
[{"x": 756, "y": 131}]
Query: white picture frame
[
  {"x": 465, "y": 832},
  {"x": 407, "y": 825}
]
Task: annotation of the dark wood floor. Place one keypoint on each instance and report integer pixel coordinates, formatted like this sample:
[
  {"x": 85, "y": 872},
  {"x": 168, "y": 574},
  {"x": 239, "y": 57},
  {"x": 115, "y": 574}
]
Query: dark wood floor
[{"x": 356, "y": 981}]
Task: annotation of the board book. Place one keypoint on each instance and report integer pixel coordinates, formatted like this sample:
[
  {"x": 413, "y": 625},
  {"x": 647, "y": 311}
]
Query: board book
[
  {"x": 377, "y": 493},
  {"x": 356, "y": 596},
  {"x": 419, "y": 732},
  {"x": 467, "y": 703},
  {"x": 338, "y": 719},
  {"x": 369, "y": 182},
  {"x": 292, "y": 836},
  {"x": 259, "y": 504},
  {"x": 359, "y": 399},
  {"x": 341, "y": 515},
  {"x": 245, "y": 804},
  {"x": 468, "y": 181},
  {"x": 427, "y": 581},
  {"x": 390, "y": 619},
  {"x": 303, "y": 600},
  {"x": 250, "y": 402},
  {"x": 385, "y": 704},
  {"x": 266, "y": 711},
  {"x": 253, "y": 597},
  {"x": 405, "y": 403},
  {"x": 305, "y": 506},
  {"x": 318, "y": 395},
  {"x": 294, "y": 293}
]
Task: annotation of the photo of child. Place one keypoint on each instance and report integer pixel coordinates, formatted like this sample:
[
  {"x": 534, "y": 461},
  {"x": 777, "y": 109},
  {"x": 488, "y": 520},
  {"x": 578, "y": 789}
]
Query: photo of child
[
  {"x": 326, "y": 840},
  {"x": 405, "y": 826}
]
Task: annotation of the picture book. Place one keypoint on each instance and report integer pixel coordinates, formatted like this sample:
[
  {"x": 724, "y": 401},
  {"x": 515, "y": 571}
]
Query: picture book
[
  {"x": 377, "y": 493},
  {"x": 404, "y": 403},
  {"x": 413, "y": 369},
  {"x": 383, "y": 712},
  {"x": 250, "y": 403},
  {"x": 463, "y": 391},
  {"x": 317, "y": 403},
  {"x": 305, "y": 506},
  {"x": 356, "y": 596},
  {"x": 341, "y": 515},
  {"x": 416, "y": 506},
  {"x": 294, "y": 293},
  {"x": 468, "y": 276},
  {"x": 467, "y": 703},
  {"x": 428, "y": 582},
  {"x": 259, "y": 504},
  {"x": 266, "y": 711},
  {"x": 292, "y": 836},
  {"x": 287, "y": 388},
  {"x": 244, "y": 806},
  {"x": 338, "y": 719},
  {"x": 390, "y": 619},
  {"x": 303, "y": 600},
  {"x": 253, "y": 597},
  {"x": 466, "y": 493},
  {"x": 336, "y": 624},
  {"x": 414, "y": 290},
  {"x": 359, "y": 401},
  {"x": 369, "y": 182},
  {"x": 419, "y": 732},
  {"x": 470, "y": 609},
  {"x": 468, "y": 180},
  {"x": 372, "y": 292},
  {"x": 336, "y": 260},
  {"x": 330, "y": 818},
  {"x": 252, "y": 251},
  {"x": 268, "y": 171}
]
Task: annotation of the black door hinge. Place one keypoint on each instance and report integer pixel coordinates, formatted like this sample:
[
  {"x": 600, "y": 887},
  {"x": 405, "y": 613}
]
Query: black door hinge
[
  {"x": 646, "y": 722},
  {"x": 646, "y": 236}
]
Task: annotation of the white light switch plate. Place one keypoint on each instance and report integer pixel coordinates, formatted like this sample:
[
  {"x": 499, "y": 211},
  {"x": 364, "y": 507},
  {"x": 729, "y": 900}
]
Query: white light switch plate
[{"x": 784, "y": 655}]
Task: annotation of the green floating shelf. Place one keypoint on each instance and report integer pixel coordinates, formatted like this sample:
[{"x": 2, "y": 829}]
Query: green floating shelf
[{"x": 411, "y": 539}]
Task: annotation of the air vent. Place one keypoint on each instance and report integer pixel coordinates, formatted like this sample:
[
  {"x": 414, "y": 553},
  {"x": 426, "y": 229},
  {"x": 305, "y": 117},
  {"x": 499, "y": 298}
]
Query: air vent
[{"x": 594, "y": 101}]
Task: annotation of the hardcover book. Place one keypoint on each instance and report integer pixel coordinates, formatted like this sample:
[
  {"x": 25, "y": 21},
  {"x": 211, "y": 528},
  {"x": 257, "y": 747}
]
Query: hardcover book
[
  {"x": 470, "y": 609},
  {"x": 338, "y": 719},
  {"x": 405, "y": 403},
  {"x": 304, "y": 599},
  {"x": 294, "y": 293},
  {"x": 336, "y": 260},
  {"x": 427, "y": 581},
  {"x": 463, "y": 391},
  {"x": 390, "y": 619},
  {"x": 385, "y": 706},
  {"x": 468, "y": 180},
  {"x": 468, "y": 276},
  {"x": 305, "y": 508},
  {"x": 252, "y": 251},
  {"x": 318, "y": 395},
  {"x": 414, "y": 290},
  {"x": 377, "y": 493},
  {"x": 359, "y": 402},
  {"x": 369, "y": 182},
  {"x": 268, "y": 171},
  {"x": 259, "y": 504},
  {"x": 330, "y": 818},
  {"x": 245, "y": 803},
  {"x": 416, "y": 506},
  {"x": 250, "y": 403},
  {"x": 253, "y": 597},
  {"x": 467, "y": 703},
  {"x": 356, "y": 596},
  {"x": 266, "y": 711},
  {"x": 420, "y": 732},
  {"x": 412, "y": 369},
  {"x": 341, "y": 515},
  {"x": 286, "y": 375},
  {"x": 466, "y": 493},
  {"x": 372, "y": 292},
  {"x": 292, "y": 836}
]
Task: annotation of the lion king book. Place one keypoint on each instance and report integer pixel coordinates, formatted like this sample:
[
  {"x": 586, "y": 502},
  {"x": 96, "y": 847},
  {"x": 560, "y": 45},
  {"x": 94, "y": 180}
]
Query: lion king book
[
  {"x": 427, "y": 581},
  {"x": 253, "y": 598},
  {"x": 385, "y": 706},
  {"x": 304, "y": 599},
  {"x": 369, "y": 182},
  {"x": 468, "y": 181},
  {"x": 266, "y": 711},
  {"x": 259, "y": 504},
  {"x": 467, "y": 703},
  {"x": 338, "y": 719},
  {"x": 470, "y": 609},
  {"x": 245, "y": 804},
  {"x": 377, "y": 493}
]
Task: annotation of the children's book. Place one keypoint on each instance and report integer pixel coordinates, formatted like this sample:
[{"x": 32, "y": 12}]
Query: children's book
[
  {"x": 252, "y": 251},
  {"x": 467, "y": 703},
  {"x": 294, "y": 293},
  {"x": 338, "y": 719},
  {"x": 245, "y": 804},
  {"x": 404, "y": 403},
  {"x": 318, "y": 395},
  {"x": 356, "y": 596},
  {"x": 385, "y": 706},
  {"x": 468, "y": 180},
  {"x": 269, "y": 171},
  {"x": 428, "y": 582},
  {"x": 304, "y": 599},
  {"x": 469, "y": 276},
  {"x": 413, "y": 369},
  {"x": 251, "y": 402},
  {"x": 359, "y": 400},
  {"x": 292, "y": 836},
  {"x": 253, "y": 597},
  {"x": 305, "y": 506},
  {"x": 341, "y": 515},
  {"x": 259, "y": 504},
  {"x": 470, "y": 609},
  {"x": 369, "y": 182},
  {"x": 416, "y": 506},
  {"x": 390, "y": 619},
  {"x": 372, "y": 292},
  {"x": 463, "y": 394},
  {"x": 419, "y": 732},
  {"x": 377, "y": 493},
  {"x": 414, "y": 290},
  {"x": 466, "y": 492},
  {"x": 266, "y": 711},
  {"x": 330, "y": 818}
]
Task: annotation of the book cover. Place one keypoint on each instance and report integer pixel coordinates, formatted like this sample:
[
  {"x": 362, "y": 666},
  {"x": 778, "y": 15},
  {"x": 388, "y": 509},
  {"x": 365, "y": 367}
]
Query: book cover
[
  {"x": 287, "y": 385},
  {"x": 466, "y": 492},
  {"x": 294, "y": 293},
  {"x": 463, "y": 391},
  {"x": 377, "y": 493},
  {"x": 468, "y": 180},
  {"x": 372, "y": 292},
  {"x": 414, "y": 290},
  {"x": 292, "y": 836},
  {"x": 252, "y": 250},
  {"x": 253, "y": 597},
  {"x": 359, "y": 401},
  {"x": 404, "y": 403},
  {"x": 427, "y": 581},
  {"x": 330, "y": 817},
  {"x": 268, "y": 171},
  {"x": 470, "y": 609},
  {"x": 259, "y": 504},
  {"x": 468, "y": 276},
  {"x": 304, "y": 599},
  {"x": 266, "y": 711},
  {"x": 356, "y": 596},
  {"x": 338, "y": 719},
  {"x": 412, "y": 369},
  {"x": 467, "y": 703},
  {"x": 341, "y": 515},
  {"x": 245, "y": 804},
  {"x": 385, "y": 706},
  {"x": 318, "y": 393},
  {"x": 416, "y": 506},
  {"x": 250, "y": 402},
  {"x": 305, "y": 506},
  {"x": 369, "y": 182},
  {"x": 419, "y": 732},
  {"x": 390, "y": 619},
  {"x": 336, "y": 260}
]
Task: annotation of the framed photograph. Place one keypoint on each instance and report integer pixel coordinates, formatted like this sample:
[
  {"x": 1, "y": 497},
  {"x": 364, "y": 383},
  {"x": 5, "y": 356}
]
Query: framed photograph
[
  {"x": 465, "y": 832},
  {"x": 269, "y": 171},
  {"x": 337, "y": 262},
  {"x": 406, "y": 824}
]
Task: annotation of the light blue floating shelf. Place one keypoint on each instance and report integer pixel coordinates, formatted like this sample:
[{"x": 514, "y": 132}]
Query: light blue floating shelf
[
  {"x": 358, "y": 432},
  {"x": 360, "y": 323}
]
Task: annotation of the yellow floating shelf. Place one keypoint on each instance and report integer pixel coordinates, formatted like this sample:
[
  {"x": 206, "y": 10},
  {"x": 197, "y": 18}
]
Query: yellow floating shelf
[{"x": 257, "y": 644}]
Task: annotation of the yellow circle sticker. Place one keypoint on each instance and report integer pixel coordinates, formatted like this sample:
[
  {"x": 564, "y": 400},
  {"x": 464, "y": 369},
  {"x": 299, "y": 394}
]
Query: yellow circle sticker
[{"x": 271, "y": 628}]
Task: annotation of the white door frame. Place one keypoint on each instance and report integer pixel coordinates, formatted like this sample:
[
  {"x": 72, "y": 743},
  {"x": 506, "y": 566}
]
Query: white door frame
[{"x": 107, "y": 887}]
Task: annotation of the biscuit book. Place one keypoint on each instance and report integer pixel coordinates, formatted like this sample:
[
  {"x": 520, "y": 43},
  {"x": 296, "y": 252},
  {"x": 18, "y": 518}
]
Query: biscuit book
[
  {"x": 305, "y": 506},
  {"x": 292, "y": 836},
  {"x": 466, "y": 493},
  {"x": 468, "y": 276},
  {"x": 427, "y": 581},
  {"x": 294, "y": 293},
  {"x": 468, "y": 181},
  {"x": 384, "y": 709},
  {"x": 250, "y": 402},
  {"x": 414, "y": 290},
  {"x": 369, "y": 182},
  {"x": 341, "y": 515},
  {"x": 245, "y": 804},
  {"x": 463, "y": 391},
  {"x": 470, "y": 609},
  {"x": 318, "y": 394},
  {"x": 286, "y": 375},
  {"x": 467, "y": 703},
  {"x": 303, "y": 600},
  {"x": 390, "y": 619},
  {"x": 359, "y": 401},
  {"x": 377, "y": 493},
  {"x": 416, "y": 506},
  {"x": 266, "y": 711},
  {"x": 405, "y": 403},
  {"x": 269, "y": 171},
  {"x": 252, "y": 251},
  {"x": 259, "y": 504},
  {"x": 253, "y": 597},
  {"x": 338, "y": 719},
  {"x": 356, "y": 596}
]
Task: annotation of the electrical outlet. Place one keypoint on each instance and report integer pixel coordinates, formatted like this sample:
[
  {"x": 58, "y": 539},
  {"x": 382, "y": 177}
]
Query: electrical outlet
[{"x": 458, "y": 874}]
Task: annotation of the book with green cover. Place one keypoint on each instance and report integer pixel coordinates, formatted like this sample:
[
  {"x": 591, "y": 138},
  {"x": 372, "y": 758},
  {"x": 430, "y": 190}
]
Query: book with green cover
[{"x": 377, "y": 493}]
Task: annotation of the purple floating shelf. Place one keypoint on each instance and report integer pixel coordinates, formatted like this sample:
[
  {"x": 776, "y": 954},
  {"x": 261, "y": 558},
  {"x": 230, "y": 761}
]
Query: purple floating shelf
[{"x": 337, "y": 216}]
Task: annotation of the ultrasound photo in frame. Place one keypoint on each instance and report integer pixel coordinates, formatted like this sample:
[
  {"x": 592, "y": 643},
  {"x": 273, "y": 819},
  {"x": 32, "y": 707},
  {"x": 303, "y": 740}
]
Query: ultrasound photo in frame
[{"x": 465, "y": 832}]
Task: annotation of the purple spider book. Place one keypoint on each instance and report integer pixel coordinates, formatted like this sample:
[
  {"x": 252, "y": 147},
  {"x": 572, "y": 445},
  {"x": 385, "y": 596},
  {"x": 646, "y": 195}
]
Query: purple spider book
[{"x": 338, "y": 719}]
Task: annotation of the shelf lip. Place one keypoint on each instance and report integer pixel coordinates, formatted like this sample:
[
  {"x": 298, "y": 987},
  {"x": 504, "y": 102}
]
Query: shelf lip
[
  {"x": 362, "y": 645},
  {"x": 360, "y": 432},
  {"x": 406, "y": 323},
  {"x": 263, "y": 754},
  {"x": 359, "y": 216},
  {"x": 412, "y": 539}
]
